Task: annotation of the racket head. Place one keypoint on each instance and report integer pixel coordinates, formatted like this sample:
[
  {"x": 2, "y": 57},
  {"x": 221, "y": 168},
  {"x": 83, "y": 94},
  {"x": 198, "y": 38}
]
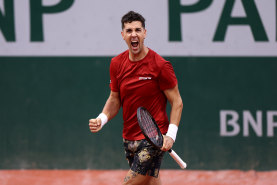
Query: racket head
[{"x": 149, "y": 127}]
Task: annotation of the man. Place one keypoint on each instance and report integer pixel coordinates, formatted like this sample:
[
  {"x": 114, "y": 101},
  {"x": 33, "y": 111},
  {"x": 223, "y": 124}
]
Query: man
[{"x": 141, "y": 77}]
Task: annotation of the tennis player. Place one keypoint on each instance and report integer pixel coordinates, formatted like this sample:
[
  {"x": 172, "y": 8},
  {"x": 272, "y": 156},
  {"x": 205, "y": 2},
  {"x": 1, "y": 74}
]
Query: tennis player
[{"x": 141, "y": 77}]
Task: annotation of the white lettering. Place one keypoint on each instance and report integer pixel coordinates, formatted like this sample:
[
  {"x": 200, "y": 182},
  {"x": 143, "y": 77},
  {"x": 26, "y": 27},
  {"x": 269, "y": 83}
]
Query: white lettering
[
  {"x": 249, "y": 120},
  {"x": 230, "y": 119},
  {"x": 270, "y": 123},
  {"x": 232, "y": 122}
]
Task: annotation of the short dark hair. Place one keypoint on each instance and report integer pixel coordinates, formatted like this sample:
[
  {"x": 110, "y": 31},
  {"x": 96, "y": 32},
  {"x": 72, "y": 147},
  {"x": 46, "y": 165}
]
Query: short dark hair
[{"x": 132, "y": 16}]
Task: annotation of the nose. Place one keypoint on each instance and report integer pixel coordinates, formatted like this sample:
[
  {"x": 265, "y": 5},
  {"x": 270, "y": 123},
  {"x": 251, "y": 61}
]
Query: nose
[{"x": 133, "y": 34}]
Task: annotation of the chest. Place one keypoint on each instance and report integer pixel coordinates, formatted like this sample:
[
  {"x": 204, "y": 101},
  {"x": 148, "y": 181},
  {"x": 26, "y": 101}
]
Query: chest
[{"x": 140, "y": 79}]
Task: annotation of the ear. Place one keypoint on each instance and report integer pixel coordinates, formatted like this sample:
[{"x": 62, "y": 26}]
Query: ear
[
  {"x": 122, "y": 34},
  {"x": 145, "y": 33}
]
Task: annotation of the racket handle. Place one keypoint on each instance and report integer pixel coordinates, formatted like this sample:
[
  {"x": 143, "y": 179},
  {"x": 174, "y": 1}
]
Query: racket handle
[{"x": 176, "y": 157}]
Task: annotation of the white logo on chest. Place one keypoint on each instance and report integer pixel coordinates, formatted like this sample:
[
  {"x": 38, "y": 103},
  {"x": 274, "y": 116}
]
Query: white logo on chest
[{"x": 145, "y": 78}]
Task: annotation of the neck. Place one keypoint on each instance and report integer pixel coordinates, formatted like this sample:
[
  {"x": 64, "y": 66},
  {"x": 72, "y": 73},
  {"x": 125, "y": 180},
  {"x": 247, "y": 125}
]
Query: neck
[{"x": 139, "y": 56}]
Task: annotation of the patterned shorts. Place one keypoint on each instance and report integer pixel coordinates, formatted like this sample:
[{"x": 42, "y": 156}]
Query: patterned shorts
[{"x": 142, "y": 157}]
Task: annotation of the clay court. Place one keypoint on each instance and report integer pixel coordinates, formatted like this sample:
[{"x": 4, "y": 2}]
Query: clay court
[{"x": 114, "y": 177}]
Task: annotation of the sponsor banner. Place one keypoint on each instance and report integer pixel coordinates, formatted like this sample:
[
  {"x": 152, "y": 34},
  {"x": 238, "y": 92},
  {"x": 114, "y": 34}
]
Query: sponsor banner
[{"x": 174, "y": 27}]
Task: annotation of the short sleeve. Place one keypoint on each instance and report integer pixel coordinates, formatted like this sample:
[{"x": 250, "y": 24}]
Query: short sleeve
[
  {"x": 113, "y": 79},
  {"x": 167, "y": 77}
]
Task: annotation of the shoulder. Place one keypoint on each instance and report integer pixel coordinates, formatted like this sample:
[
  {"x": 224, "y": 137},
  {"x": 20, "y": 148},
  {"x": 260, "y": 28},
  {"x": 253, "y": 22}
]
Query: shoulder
[
  {"x": 122, "y": 56},
  {"x": 118, "y": 61},
  {"x": 157, "y": 59}
]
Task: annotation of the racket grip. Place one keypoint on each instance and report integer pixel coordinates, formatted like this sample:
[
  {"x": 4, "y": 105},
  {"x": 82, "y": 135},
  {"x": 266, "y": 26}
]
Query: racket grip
[{"x": 176, "y": 157}]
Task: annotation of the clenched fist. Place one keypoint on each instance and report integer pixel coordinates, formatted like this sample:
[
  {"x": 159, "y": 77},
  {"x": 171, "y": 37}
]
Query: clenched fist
[{"x": 95, "y": 125}]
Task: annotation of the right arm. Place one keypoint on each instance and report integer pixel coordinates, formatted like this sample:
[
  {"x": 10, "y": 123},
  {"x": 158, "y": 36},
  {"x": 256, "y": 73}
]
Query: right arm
[{"x": 110, "y": 109}]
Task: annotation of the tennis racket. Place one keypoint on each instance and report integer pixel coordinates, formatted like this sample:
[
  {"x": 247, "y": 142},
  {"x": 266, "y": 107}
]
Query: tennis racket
[{"x": 153, "y": 134}]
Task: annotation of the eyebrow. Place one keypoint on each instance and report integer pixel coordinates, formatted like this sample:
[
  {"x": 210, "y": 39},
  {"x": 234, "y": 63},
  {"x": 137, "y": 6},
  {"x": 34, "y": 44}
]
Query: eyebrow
[{"x": 129, "y": 29}]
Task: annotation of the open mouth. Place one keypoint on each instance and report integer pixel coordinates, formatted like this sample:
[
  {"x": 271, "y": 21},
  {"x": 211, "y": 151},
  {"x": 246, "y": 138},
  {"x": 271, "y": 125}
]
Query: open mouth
[{"x": 135, "y": 43}]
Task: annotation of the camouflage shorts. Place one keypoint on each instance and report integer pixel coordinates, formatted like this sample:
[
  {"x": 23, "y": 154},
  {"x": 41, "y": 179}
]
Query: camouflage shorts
[{"x": 142, "y": 157}]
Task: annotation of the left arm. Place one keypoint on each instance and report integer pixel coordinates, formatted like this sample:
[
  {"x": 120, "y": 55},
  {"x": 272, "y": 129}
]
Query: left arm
[{"x": 175, "y": 100}]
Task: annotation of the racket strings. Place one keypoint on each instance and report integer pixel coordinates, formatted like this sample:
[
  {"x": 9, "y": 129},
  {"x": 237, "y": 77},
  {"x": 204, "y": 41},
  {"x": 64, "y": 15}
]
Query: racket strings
[
  {"x": 149, "y": 127},
  {"x": 151, "y": 130}
]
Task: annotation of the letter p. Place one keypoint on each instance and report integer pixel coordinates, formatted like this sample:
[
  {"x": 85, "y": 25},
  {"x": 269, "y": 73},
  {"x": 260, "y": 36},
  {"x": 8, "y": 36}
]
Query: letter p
[{"x": 175, "y": 10}]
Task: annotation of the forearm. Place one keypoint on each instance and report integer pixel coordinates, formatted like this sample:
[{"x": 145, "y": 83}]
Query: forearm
[
  {"x": 110, "y": 109},
  {"x": 175, "y": 100},
  {"x": 112, "y": 105},
  {"x": 176, "y": 111},
  {"x": 176, "y": 103}
]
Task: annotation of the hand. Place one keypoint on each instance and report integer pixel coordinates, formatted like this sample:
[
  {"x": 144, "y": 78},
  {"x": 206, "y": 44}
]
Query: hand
[
  {"x": 95, "y": 125},
  {"x": 167, "y": 144}
]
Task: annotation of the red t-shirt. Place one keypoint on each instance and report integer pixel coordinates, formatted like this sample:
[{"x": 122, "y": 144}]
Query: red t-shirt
[{"x": 141, "y": 83}]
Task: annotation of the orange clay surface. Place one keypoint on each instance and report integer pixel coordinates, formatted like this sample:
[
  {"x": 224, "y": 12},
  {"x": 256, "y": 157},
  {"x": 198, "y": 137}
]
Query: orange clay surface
[{"x": 114, "y": 177}]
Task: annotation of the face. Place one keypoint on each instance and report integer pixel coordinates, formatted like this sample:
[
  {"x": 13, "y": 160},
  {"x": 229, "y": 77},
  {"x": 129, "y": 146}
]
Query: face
[{"x": 134, "y": 34}]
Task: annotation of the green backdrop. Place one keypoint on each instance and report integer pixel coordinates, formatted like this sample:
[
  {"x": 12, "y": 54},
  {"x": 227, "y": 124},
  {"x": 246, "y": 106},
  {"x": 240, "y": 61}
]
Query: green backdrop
[{"x": 46, "y": 102}]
